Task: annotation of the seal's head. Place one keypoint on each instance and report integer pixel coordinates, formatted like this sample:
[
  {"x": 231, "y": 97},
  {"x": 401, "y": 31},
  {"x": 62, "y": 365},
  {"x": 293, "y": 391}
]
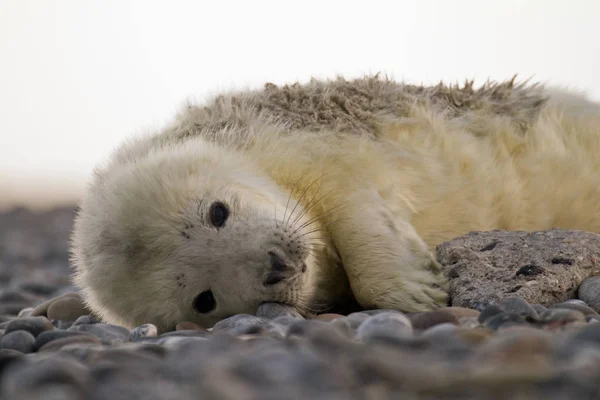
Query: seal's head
[{"x": 189, "y": 232}]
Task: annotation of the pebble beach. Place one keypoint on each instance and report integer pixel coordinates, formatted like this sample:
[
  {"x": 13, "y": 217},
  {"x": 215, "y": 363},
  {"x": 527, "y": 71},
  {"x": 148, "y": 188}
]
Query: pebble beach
[{"x": 490, "y": 346}]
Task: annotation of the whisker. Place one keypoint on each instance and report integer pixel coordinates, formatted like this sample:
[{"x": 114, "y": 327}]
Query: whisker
[
  {"x": 290, "y": 196},
  {"x": 310, "y": 205},
  {"x": 303, "y": 194}
]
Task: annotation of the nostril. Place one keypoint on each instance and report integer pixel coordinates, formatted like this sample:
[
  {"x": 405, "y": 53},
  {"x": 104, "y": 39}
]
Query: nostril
[{"x": 277, "y": 263}]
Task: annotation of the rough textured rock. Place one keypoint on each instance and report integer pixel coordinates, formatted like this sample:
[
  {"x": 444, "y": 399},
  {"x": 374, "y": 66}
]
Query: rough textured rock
[{"x": 544, "y": 267}]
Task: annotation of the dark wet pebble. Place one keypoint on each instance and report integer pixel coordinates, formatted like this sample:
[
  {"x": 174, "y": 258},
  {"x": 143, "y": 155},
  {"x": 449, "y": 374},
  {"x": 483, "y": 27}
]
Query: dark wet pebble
[
  {"x": 504, "y": 320},
  {"x": 272, "y": 310},
  {"x": 19, "y": 340},
  {"x": 388, "y": 324},
  {"x": 107, "y": 333},
  {"x": 33, "y": 325},
  {"x": 589, "y": 291},
  {"x": 237, "y": 321},
  {"x": 518, "y": 305},
  {"x": 144, "y": 331}
]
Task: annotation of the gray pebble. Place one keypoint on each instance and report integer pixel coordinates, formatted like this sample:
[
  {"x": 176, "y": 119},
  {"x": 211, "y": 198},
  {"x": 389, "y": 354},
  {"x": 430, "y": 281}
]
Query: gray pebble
[
  {"x": 504, "y": 320},
  {"x": 144, "y": 331},
  {"x": 353, "y": 320},
  {"x": 273, "y": 310},
  {"x": 589, "y": 333},
  {"x": 86, "y": 320},
  {"x": 62, "y": 325},
  {"x": 20, "y": 340},
  {"x": 539, "y": 308},
  {"x": 33, "y": 325},
  {"x": 581, "y": 307},
  {"x": 518, "y": 305},
  {"x": 562, "y": 315},
  {"x": 8, "y": 356},
  {"x": 49, "y": 336},
  {"x": 59, "y": 344},
  {"x": 439, "y": 331},
  {"x": 107, "y": 333},
  {"x": 589, "y": 291},
  {"x": 237, "y": 321},
  {"x": 386, "y": 324},
  {"x": 489, "y": 312}
]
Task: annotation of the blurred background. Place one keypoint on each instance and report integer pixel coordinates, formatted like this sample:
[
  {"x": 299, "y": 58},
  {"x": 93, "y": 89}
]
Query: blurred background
[{"x": 79, "y": 76}]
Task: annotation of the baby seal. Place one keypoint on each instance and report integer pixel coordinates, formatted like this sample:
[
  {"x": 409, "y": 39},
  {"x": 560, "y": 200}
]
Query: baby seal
[{"x": 328, "y": 195}]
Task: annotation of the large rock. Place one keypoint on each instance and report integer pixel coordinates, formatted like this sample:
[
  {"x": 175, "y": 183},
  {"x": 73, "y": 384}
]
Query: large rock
[{"x": 544, "y": 267}]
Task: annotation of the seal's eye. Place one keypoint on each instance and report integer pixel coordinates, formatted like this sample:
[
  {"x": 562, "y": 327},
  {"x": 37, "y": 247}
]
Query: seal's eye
[
  {"x": 218, "y": 214},
  {"x": 205, "y": 302}
]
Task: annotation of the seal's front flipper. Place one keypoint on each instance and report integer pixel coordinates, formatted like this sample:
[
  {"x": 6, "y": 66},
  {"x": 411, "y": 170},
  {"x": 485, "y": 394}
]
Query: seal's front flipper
[{"x": 386, "y": 261}]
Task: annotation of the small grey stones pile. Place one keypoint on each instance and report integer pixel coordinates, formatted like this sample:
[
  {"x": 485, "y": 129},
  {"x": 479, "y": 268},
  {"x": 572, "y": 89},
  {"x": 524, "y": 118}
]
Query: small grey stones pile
[{"x": 524, "y": 324}]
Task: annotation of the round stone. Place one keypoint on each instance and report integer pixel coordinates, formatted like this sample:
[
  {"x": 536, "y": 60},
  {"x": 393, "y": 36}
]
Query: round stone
[
  {"x": 33, "y": 325},
  {"x": 42, "y": 309},
  {"x": 589, "y": 291},
  {"x": 20, "y": 340},
  {"x": 67, "y": 309},
  {"x": 107, "y": 333},
  {"x": 87, "y": 319},
  {"x": 581, "y": 307},
  {"x": 489, "y": 312},
  {"x": 59, "y": 344},
  {"x": 49, "y": 336},
  {"x": 561, "y": 316},
  {"x": 237, "y": 321},
  {"x": 144, "y": 331},
  {"x": 425, "y": 320},
  {"x": 384, "y": 325},
  {"x": 518, "y": 305},
  {"x": 504, "y": 320}
]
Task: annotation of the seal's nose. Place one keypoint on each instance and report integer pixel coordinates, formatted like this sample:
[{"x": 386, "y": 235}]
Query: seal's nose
[{"x": 279, "y": 271}]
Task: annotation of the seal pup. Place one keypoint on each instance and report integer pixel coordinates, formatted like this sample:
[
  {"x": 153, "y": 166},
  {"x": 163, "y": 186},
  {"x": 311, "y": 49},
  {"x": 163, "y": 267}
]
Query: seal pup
[{"x": 327, "y": 195}]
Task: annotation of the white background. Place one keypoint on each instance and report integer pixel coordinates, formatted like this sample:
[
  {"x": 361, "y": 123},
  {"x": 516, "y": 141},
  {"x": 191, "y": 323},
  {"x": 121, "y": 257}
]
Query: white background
[{"x": 78, "y": 76}]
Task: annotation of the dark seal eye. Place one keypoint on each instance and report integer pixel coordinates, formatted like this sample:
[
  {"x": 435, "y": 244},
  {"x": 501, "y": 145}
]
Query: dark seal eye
[
  {"x": 205, "y": 302},
  {"x": 218, "y": 214}
]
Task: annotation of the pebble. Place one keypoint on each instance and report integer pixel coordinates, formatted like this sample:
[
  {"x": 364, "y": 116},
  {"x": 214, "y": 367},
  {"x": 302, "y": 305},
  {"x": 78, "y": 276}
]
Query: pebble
[
  {"x": 518, "y": 305},
  {"x": 577, "y": 306},
  {"x": 67, "y": 309},
  {"x": 424, "y": 320},
  {"x": 107, "y": 333},
  {"x": 384, "y": 325},
  {"x": 85, "y": 320},
  {"x": 589, "y": 292},
  {"x": 238, "y": 321},
  {"x": 33, "y": 325},
  {"x": 19, "y": 340},
  {"x": 144, "y": 331},
  {"x": 504, "y": 320},
  {"x": 49, "y": 336},
  {"x": 561, "y": 316}
]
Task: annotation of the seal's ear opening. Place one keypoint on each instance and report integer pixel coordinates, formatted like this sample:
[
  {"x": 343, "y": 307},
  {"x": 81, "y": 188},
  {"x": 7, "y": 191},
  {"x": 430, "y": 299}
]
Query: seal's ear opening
[{"x": 205, "y": 302}]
